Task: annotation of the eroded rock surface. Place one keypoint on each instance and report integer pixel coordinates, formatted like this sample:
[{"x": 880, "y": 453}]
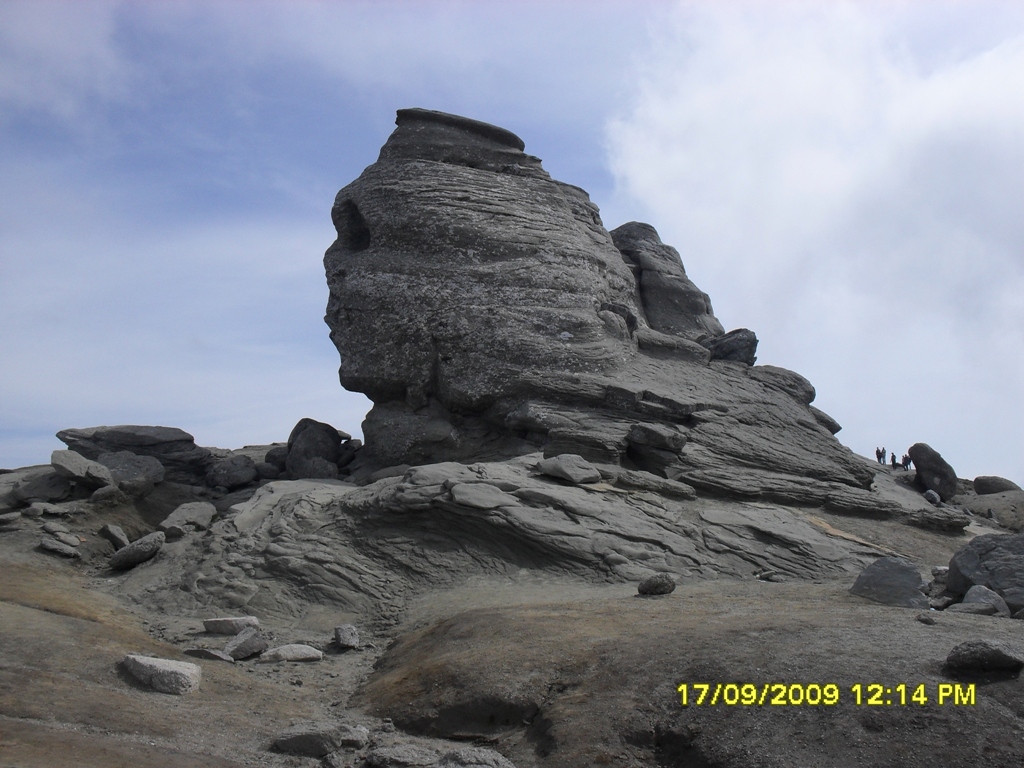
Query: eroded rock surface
[{"x": 486, "y": 311}]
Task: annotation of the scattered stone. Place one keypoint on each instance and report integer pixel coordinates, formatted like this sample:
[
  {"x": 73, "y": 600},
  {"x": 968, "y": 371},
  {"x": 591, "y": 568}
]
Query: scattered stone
[
  {"x": 982, "y": 656},
  {"x": 7, "y": 518},
  {"x": 932, "y": 497},
  {"x": 115, "y": 536},
  {"x": 346, "y": 636},
  {"x": 46, "y": 487},
  {"x": 985, "y": 596},
  {"x": 1019, "y": 614},
  {"x": 37, "y": 509},
  {"x": 1014, "y": 597},
  {"x": 58, "y": 547},
  {"x": 571, "y": 467},
  {"x": 939, "y": 573},
  {"x": 75, "y": 466},
  {"x": 233, "y": 472},
  {"x": 739, "y": 346},
  {"x": 481, "y": 496},
  {"x": 474, "y": 757},
  {"x": 933, "y": 472},
  {"x": 291, "y": 652},
  {"x": 401, "y": 756},
  {"x": 164, "y": 675},
  {"x": 987, "y": 484},
  {"x": 175, "y": 449},
  {"x": 942, "y": 602},
  {"x": 135, "y": 475},
  {"x": 139, "y": 551},
  {"x": 209, "y": 653},
  {"x": 310, "y": 739},
  {"x": 926, "y": 618},
  {"x": 891, "y": 581},
  {"x": 197, "y": 515},
  {"x": 66, "y": 538},
  {"x": 230, "y": 625},
  {"x": 658, "y": 584},
  {"x": 52, "y": 526},
  {"x": 248, "y": 642}
]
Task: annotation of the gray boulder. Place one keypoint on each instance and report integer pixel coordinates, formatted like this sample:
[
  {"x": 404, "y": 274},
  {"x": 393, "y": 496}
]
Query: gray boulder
[
  {"x": 992, "y": 560},
  {"x": 346, "y": 636},
  {"x": 401, "y": 756},
  {"x": 1005, "y": 507},
  {"x": 982, "y": 656},
  {"x": 739, "y": 346},
  {"x": 316, "y": 739},
  {"x": 984, "y": 595},
  {"x": 134, "y": 474},
  {"x": 267, "y": 471},
  {"x": 193, "y": 515},
  {"x": 232, "y": 472},
  {"x": 658, "y": 584},
  {"x": 278, "y": 457},
  {"x": 248, "y": 642},
  {"x": 933, "y": 472},
  {"x": 891, "y": 581},
  {"x": 51, "y": 544},
  {"x": 986, "y": 484},
  {"x": 974, "y": 609},
  {"x": 47, "y": 486},
  {"x": 313, "y": 450},
  {"x": 164, "y": 675},
  {"x": 76, "y": 467},
  {"x": 474, "y": 757},
  {"x": 139, "y": 551},
  {"x": 297, "y": 652},
  {"x": 115, "y": 535},
  {"x": 109, "y": 497},
  {"x": 175, "y": 449}
]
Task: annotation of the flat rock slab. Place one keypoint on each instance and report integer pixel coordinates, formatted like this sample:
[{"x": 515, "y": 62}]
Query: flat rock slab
[
  {"x": 139, "y": 551},
  {"x": 481, "y": 496},
  {"x": 135, "y": 475},
  {"x": 571, "y": 467},
  {"x": 66, "y": 538},
  {"x": 209, "y": 653},
  {"x": 246, "y": 643},
  {"x": 58, "y": 547},
  {"x": 115, "y": 535},
  {"x": 974, "y": 609},
  {"x": 197, "y": 514},
  {"x": 474, "y": 757},
  {"x": 164, "y": 675},
  {"x": 891, "y": 581},
  {"x": 231, "y": 625},
  {"x": 291, "y": 652},
  {"x": 402, "y": 756},
  {"x": 983, "y": 656},
  {"x": 10, "y": 517}
]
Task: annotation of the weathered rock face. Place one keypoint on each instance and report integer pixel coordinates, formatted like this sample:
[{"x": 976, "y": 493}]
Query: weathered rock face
[
  {"x": 486, "y": 311},
  {"x": 175, "y": 449}
]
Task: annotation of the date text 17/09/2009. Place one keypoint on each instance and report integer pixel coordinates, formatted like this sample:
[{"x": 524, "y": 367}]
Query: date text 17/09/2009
[{"x": 825, "y": 694}]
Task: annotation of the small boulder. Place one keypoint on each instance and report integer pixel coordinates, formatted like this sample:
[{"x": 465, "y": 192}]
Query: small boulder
[
  {"x": 658, "y": 584},
  {"x": 139, "y": 551},
  {"x": 985, "y": 596},
  {"x": 76, "y": 467},
  {"x": 346, "y": 636},
  {"x": 52, "y": 526},
  {"x": 267, "y": 471},
  {"x": 115, "y": 536},
  {"x": 891, "y": 581},
  {"x": 993, "y": 560},
  {"x": 231, "y": 625},
  {"x": 973, "y": 609},
  {"x": 135, "y": 475},
  {"x": 291, "y": 652},
  {"x": 313, "y": 450},
  {"x": 277, "y": 457},
  {"x": 933, "y": 472},
  {"x": 232, "y": 472},
  {"x": 248, "y": 642},
  {"x": 66, "y": 538},
  {"x": 164, "y": 675},
  {"x": 982, "y": 656},
  {"x": 739, "y": 346},
  {"x": 109, "y": 497},
  {"x": 571, "y": 467},
  {"x": 8, "y": 518},
  {"x": 401, "y": 756},
  {"x": 474, "y": 757},
  {"x": 932, "y": 497},
  {"x": 988, "y": 484},
  {"x": 310, "y": 739}
]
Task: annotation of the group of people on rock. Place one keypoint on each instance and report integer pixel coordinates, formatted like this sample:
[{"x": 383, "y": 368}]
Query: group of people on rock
[{"x": 904, "y": 462}]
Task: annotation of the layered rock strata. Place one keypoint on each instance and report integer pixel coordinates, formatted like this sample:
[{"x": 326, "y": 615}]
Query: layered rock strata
[{"x": 486, "y": 311}]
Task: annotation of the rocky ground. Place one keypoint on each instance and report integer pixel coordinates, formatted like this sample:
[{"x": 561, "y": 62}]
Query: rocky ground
[{"x": 545, "y": 658}]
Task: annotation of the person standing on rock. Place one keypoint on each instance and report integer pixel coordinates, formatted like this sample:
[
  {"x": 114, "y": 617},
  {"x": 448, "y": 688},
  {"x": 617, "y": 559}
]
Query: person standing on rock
[
  {"x": 881, "y": 458},
  {"x": 878, "y": 454},
  {"x": 906, "y": 462},
  {"x": 893, "y": 460}
]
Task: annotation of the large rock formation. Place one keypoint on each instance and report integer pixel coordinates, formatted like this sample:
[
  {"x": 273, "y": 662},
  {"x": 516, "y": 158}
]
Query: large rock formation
[{"x": 486, "y": 311}]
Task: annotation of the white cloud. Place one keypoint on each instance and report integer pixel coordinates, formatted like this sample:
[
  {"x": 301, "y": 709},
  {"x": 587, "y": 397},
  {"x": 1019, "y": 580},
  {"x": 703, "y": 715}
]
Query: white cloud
[
  {"x": 855, "y": 202},
  {"x": 55, "y": 55}
]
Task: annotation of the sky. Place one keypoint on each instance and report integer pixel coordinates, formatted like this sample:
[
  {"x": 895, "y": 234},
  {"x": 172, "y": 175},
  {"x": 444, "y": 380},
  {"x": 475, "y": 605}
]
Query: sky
[{"x": 845, "y": 179}]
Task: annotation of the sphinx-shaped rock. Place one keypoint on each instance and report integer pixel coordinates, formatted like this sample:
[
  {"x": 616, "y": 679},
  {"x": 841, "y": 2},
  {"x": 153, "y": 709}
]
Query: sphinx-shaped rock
[{"x": 486, "y": 311}]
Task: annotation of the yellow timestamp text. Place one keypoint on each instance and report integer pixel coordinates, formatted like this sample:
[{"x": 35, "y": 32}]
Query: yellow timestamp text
[{"x": 824, "y": 694}]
